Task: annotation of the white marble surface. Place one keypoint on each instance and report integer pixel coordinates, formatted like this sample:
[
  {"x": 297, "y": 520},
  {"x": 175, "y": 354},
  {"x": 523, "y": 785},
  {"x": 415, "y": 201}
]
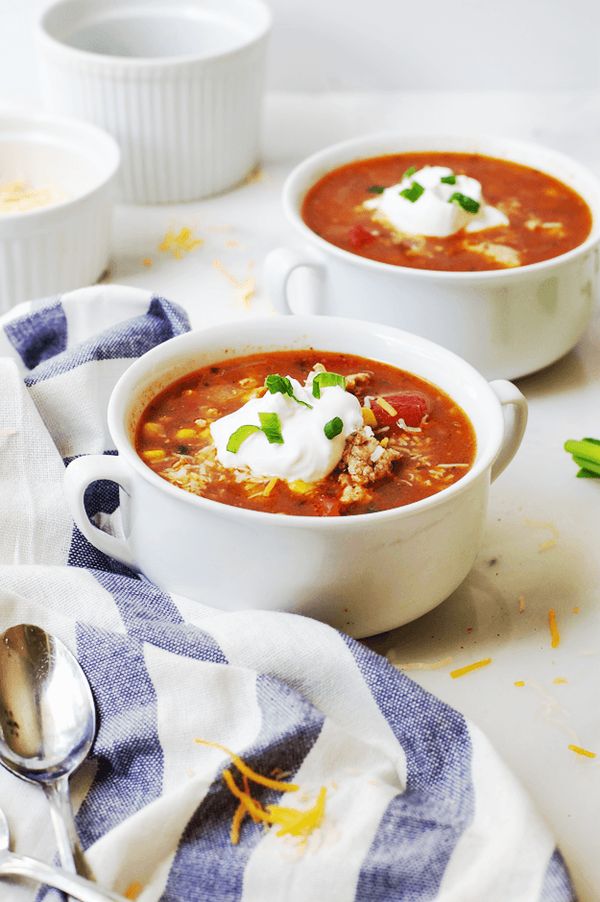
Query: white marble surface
[{"x": 531, "y": 726}]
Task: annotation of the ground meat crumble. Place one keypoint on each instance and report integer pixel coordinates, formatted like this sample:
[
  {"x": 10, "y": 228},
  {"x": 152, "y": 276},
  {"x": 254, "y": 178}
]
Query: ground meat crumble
[{"x": 359, "y": 469}]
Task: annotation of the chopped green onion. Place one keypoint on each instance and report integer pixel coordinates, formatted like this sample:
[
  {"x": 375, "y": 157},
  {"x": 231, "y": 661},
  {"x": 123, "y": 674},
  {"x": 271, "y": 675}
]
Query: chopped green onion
[
  {"x": 586, "y": 454},
  {"x": 237, "y": 438},
  {"x": 281, "y": 385},
  {"x": 324, "y": 380},
  {"x": 410, "y": 171},
  {"x": 271, "y": 426},
  {"x": 333, "y": 428},
  {"x": 376, "y": 189},
  {"x": 468, "y": 204},
  {"x": 413, "y": 193},
  {"x": 448, "y": 179}
]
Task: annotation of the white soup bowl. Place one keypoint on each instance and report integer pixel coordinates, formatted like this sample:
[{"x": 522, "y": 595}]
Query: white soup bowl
[
  {"x": 363, "y": 574},
  {"x": 506, "y": 323}
]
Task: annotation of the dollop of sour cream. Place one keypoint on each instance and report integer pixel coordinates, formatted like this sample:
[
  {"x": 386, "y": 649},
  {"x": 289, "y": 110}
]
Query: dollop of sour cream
[
  {"x": 432, "y": 213},
  {"x": 306, "y": 453}
]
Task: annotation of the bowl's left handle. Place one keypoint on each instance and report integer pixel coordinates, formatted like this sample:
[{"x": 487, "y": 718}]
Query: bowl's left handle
[
  {"x": 514, "y": 423},
  {"x": 279, "y": 266},
  {"x": 80, "y": 474}
]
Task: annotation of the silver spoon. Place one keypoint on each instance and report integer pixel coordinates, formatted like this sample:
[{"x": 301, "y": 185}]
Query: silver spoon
[
  {"x": 13, "y": 865},
  {"x": 47, "y": 724}
]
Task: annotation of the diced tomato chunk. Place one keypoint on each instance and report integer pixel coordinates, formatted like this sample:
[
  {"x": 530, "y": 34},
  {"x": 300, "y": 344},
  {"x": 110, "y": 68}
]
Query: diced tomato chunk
[
  {"x": 410, "y": 406},
  {"x": 358, "y": 236}
]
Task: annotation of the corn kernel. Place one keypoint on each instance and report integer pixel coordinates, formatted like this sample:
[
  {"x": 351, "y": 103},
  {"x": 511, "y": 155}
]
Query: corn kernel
[
  {"x": 186, "y": 433},
  {"x": 369, "y": 418},
  {"x": 152, "y": 429},
  {"x": 301, "y": 487},
  {"x": 154, "y": 454}
]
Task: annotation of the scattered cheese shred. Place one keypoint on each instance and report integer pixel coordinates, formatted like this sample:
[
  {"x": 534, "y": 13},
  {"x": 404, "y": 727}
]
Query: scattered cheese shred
[
  {"x": 462, "y": 671},
  {"x": 270, "y": 486},
  {"x": 559, "y": 681},
  {"x": 369, "y": 418},
  {"x": 575, "y": 610},
  {"x": 387, "y": 407},
  {"x": 521, "y": 603},
  {"x": 247, "y": 771},
  {"x": 147, "y": 261},
  {"x": 291, "y": 821},
  {"x": 133, "y": 890},
  {"x": 542, "y": 524},
  {"x": 579, "y": 751},
  {"x": 520, "y": 683},
  {"x": 554, "y": 634},
  {"x": 244, "y": 289},
  {"x": 424, "y": 665},
  {"x": 179, "y": 244}
]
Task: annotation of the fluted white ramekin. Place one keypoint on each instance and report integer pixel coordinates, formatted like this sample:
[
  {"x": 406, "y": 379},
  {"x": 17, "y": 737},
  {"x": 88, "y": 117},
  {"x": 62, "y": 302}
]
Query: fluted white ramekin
[
  {"x": 178, "y": 83},
  {"x": 64, "y": 245}
]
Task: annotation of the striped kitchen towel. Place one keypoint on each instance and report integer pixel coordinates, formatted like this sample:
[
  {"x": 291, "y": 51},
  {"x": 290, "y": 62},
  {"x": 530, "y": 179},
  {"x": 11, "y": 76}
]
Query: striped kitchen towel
[{"x": 417, "y": 804}]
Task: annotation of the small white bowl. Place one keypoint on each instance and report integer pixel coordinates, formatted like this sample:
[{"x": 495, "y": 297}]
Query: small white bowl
[
  {"x": 178, "y": 83},
  {"x": 65, "y": 244},
  {"x": 506, "y": 323},
  {"x": 365, "y": 573}
]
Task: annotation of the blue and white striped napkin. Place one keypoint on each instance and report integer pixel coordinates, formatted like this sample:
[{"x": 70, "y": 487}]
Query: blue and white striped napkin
[{"x": 419, "y": 807}]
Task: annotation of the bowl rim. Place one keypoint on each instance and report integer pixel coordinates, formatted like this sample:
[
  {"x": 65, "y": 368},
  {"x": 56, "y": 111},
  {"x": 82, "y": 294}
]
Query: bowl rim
[
  {"x": 39, "y": 122},
  {"x": 124, "y": 391},
  {"x": 314, "y": 160},
  {"x": 141, "y": 62}
]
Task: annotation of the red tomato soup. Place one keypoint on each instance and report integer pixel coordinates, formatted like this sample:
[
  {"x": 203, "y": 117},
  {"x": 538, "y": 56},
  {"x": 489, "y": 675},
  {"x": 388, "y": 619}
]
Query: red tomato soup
[
  {"x": 543, "y": 217},
  {"x": 413, "y": 440}
]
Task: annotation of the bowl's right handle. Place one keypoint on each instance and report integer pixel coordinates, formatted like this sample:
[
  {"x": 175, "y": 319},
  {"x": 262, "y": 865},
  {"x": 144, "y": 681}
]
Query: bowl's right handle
[
  {"x": 279, "y": 266},
  {"x": 80, "y": 474},
  {"x": 514, "y": 423}
]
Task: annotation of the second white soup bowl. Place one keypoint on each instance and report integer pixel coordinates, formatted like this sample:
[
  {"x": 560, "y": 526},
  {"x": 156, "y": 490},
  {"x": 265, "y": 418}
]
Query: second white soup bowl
[
  {"x": 363, "y": 574},
  {"x": 507, "y": 322}
]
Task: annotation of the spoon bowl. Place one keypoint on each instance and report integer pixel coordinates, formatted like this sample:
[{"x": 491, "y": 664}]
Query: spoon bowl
[{"x": 47, "y": 723}]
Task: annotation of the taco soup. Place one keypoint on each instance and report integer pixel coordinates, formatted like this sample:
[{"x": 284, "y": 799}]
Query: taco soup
[
  {"x": 305, "y": 432},
  {"x": 446, "y": 211}
]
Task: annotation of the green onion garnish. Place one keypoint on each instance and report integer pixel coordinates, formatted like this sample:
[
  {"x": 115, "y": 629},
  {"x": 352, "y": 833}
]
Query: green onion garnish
[
  {"x": 281, "y": 385},
  {"x": 467, "y": 203},
  {"x": 271, "y": 426},
  {"x": 413, "y": 193},
  {"x": 333, "y": 428},
  {"x": 323, "y": 380},
  {"x": 448, "y": 179},
  {"x": 376, "y": 189},
  {"x": 586, "y": 454},
  {"x": 237, "y": 438},
  {"x": 410, "y": 171}
]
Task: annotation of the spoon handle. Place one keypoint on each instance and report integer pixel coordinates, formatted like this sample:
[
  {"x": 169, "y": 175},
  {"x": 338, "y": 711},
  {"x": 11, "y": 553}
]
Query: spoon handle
[
  {"x": 77, "y": 887},
  {"x": 70, "y": 852}
]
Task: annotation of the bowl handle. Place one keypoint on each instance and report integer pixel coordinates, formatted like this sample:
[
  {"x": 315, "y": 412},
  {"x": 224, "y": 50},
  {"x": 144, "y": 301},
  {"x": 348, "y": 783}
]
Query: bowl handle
[
  {"x": 278, "y": 267},
  {"x": 80, "y": 474},
  {"x": 514, "y": 424}
]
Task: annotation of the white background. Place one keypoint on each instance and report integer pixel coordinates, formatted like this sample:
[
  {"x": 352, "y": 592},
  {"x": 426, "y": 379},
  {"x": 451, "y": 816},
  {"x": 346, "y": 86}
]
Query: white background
[{"x": 365, "y": 45}]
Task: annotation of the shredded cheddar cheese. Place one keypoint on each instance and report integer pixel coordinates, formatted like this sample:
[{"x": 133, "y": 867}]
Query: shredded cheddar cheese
[
  {"x": 369, "y": 418},
  {"x": 245, "y": 289},
  {"x": 179, "y": 244},
  {"x": 520, "y": 683},
  {"x": 387, "y": 407},
  {"x": 521, "y": 603},
  {"x": 133, "y": 890},
  {"x": 147, "y": 262},
  {"x": 579, "y": 751},
  {"x": 462, "y": 671},
  {"x": 554, "y": 634},
  {"x": 291, "y": 821},
  {"x": 270, "y": 486}
]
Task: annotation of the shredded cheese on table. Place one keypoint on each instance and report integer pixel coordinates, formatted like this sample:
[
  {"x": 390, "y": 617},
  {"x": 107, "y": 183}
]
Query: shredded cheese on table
[
  {"x": 579, "y": 751},
  {"x": 462, "y": 671},
  {"x": 18, "y": 197},
  {"x": 520, "y": 683},
  {"x": 179, "y": 244},
  {"x": 133, "y": 890},
  {"x": 554, "y": 634},
  {"x": 422, "y": 665}
]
